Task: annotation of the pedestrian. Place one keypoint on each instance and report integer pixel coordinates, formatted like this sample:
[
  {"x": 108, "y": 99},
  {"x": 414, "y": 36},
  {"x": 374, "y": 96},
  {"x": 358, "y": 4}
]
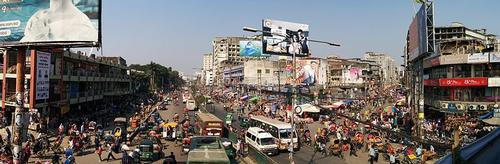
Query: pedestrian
[
  {"x": 172, "y": 157},
  {"x": 371, "y": 154},
  {"x": 8, "y": 134},
  {"x": 110, "y": 152},
  {"x": 352, "y": 147},
  {"x": 99, "y": 151}
]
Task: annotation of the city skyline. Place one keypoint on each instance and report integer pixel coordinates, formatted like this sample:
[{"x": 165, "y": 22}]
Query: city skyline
[{"x": 181, "y": 32}]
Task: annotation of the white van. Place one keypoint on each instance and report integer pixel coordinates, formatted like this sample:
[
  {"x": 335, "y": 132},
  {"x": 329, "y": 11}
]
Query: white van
[
  {"x": 261, "y": 140},
  {"x": 191, "y": 105}
]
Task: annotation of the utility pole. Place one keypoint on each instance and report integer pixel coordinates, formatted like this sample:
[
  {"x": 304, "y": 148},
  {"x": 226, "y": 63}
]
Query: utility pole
[{"x": 19, "y": 123}]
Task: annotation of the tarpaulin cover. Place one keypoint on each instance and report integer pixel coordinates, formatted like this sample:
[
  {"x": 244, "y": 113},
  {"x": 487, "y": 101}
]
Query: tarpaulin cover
[{"x": 483, "y": 150}]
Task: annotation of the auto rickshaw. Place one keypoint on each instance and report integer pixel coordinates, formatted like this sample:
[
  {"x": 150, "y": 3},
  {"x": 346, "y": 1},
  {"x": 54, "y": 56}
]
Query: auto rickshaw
[
  {"x": 244, "y": 122},
  {"x": 170, "y": 125},
  {"x": 146, "y": 150},
  {"x": 228, "y": 146},
  {"x": 121, "y": 123}
]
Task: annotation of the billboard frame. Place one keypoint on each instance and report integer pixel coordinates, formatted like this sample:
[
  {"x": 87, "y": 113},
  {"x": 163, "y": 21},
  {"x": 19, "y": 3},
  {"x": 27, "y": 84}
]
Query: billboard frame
[
  {"x": 62, "y": 44},
  {"x": 427, "y": 48}
]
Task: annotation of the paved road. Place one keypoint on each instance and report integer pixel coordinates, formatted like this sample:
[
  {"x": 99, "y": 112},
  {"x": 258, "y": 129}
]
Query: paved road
[
  {"x": 89, "y": 155},
  {"x": 306, "y": 154}
]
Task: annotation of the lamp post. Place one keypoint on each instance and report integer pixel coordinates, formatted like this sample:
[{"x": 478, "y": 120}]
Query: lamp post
[{"x": 294, "y": 74}]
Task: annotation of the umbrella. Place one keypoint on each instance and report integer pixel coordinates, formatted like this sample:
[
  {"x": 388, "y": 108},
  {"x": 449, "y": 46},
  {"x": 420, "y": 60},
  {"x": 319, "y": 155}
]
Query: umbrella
[
  {"x": 244, "y": 97},
  {"x": 255, "y": 99},
  {"x": 388, "y": 109},
  {"x": 171, "y": 124}
]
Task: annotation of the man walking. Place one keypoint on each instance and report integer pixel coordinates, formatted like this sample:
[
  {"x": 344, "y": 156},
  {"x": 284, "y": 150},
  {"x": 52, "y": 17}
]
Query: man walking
[{"x": 110, "y": 152}]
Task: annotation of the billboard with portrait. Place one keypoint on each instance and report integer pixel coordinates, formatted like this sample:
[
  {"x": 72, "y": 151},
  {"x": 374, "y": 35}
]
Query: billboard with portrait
[
  {"x": 308, "y": 72},
  {"x": 27, "y": 22},
  {"x": 417, "y": 35},
  {"x": 353, "y": 75},
  {"x": 42, "y": 75},
  {"x": 251, "y": 48},
  {"x": 285, "y": 38}
]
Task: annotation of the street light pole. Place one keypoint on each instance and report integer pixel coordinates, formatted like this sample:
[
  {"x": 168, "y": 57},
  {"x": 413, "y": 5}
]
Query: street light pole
[{"x": 294, "y": 80}]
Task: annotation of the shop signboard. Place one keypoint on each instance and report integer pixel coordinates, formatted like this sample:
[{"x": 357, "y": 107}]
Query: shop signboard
[
  {"x": 494, "y": 82},
  {"x": 463, "y": 82},
  {"x": 50, "y": 22},
  {"x": 42, "y": 75},
  {"x": 494, "y": 57},
  {"x": 453, "y": 59},
  {"x": 478, "y": 58}
]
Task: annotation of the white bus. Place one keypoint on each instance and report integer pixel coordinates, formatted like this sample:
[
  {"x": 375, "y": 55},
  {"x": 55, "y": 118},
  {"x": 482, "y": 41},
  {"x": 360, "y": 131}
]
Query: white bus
[{"x": 279, "y": 130}]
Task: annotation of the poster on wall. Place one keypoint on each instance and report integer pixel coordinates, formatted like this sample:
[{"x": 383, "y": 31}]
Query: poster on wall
[
  {"x": 50, "y": 21},
  {"x": 286, "y": 38},
  {"x": 42, "y": 75},
  {"x": 478, "y": 58}
]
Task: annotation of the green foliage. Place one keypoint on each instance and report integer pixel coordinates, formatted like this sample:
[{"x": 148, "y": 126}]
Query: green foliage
[{"x": 164, "y": 77}]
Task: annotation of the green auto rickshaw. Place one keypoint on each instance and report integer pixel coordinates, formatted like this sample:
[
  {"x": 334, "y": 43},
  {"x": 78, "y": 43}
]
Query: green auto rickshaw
[
  {"x": 244, "y": 122},
  {"x": 229, "y": 148},
  {"x": 146, "y": 150}
]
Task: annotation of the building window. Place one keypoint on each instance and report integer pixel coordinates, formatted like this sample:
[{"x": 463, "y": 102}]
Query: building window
[
  {"x": 268, "y": 71},
  {"x": 259, "y": 71}
]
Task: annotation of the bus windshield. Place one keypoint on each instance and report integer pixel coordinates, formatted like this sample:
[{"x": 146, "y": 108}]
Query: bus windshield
[
  {"x": 285, "y": 133},
  {"x": 267, "y": 141}
]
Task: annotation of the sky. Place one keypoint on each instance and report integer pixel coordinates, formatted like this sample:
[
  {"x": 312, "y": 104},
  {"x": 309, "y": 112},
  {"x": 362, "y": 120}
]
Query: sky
[{"x": 176, "y": 33}]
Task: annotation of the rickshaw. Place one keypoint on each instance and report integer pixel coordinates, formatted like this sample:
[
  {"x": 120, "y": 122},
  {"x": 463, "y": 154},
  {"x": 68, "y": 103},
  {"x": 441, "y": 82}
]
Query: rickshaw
[
  {"x": 228, "y": 146},
  {"x": 121, "y": 123},
  {"x": 171, "y": 136}
]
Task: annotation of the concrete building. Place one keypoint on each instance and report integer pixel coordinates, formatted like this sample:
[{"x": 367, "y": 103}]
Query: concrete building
[
  {"x": 76, "y": 82},
  {"x": 464, "y": 77},
  {"x": 388, "y": 71},
  {"x": 254, "y": 73},
  {"x": 226, "y": 51},
  {"x": 208, "y": 62}
]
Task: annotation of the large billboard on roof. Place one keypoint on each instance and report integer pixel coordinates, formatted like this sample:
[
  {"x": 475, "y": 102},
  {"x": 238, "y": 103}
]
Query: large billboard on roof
[
  {"x": 285, "y": 38},
  {"x": 45, "y": 22},
  {"x": 417, "y": 35},
  {"x": 251, "y": 48}
]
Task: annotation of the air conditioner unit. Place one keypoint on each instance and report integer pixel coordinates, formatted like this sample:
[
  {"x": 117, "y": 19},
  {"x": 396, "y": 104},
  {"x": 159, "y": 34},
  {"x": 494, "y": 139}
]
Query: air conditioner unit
[
  {"x": 483, "y": 107},
  {"x": 444, "y": 105},
  {"x": 472, "y": 107},
  {"x": 460, "y": 106}
]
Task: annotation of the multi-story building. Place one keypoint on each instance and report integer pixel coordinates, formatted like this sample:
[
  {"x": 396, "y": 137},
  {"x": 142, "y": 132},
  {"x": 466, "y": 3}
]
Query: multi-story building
[
  {"x": 388, "y": 71},
  {"x": 254, "y": 73},
  {"x": 208, "y": 62},
  {"x": 76, "y": 82},
  {"x": 465, "y": 75},
  {"x": 352, "y": 75},
  {"x": 226, "y": 54}
]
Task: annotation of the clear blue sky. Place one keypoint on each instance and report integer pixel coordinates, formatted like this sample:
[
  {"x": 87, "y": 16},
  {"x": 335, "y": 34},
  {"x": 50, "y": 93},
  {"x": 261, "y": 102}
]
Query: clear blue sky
[{"x": 177, "y": 32}]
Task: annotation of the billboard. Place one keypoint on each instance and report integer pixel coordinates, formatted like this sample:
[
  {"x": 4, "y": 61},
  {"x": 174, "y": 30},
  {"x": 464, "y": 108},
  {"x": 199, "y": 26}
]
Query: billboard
[
  {"x": 307, "y": 72},
  {"x": 25, "y": 22},
  {"x": 353, "y": 75},
  {"x": 42, "y": 75},
  {"x": 478, "y": 58},
  {"x": 417, "y": 35},
  {"x": 251, "y": 48},
  {"x": 494, "y": 57},
  {"x": 285, "y": 38}
]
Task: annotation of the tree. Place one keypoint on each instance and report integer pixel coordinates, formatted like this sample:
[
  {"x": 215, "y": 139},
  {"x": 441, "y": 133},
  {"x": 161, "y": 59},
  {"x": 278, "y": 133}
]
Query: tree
[{"x": 159, "y": 76}]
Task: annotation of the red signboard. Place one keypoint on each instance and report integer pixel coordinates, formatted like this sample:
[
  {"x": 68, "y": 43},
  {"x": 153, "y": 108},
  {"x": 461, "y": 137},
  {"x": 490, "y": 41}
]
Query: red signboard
[
  {"x": 431, "y": 82},
  {"x": 463, "y": 82}
]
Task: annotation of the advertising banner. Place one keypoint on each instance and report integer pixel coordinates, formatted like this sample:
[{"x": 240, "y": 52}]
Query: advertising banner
[
  {"x": 353, "y": 75},
  {"x": 251, "y": 49},
  {"x": 494, "y": 57},
  {"x": 307, "y": 72},
  {"x": 49, "y": 21},
  {"x": 494, "y": 82},
  {"x": 286, "y": 38},
  {"x": 42, "y": 75},
  {"x": 478, "y": 58},
  {"x": 464, "y": 82},
  {"x": 417, "y": 35},
  {"x": 453, "y": 59}
]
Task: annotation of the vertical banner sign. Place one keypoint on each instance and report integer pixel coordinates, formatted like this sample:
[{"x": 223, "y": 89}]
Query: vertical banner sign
[{"x": 42, "y": 75}]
